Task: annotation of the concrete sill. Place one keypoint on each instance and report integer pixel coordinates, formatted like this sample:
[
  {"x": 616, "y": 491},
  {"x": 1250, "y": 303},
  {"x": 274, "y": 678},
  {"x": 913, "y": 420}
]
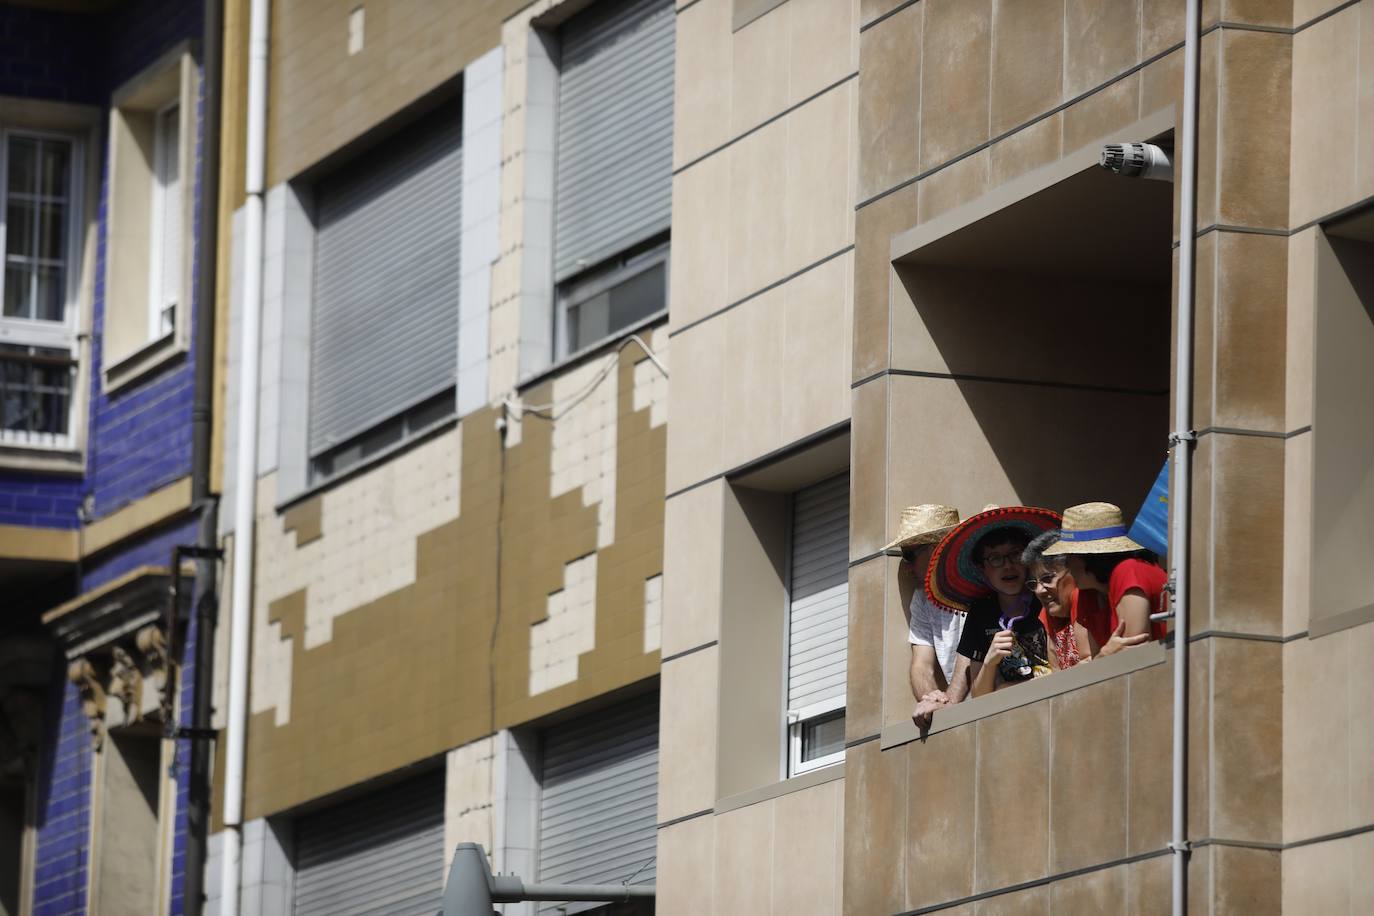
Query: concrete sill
[
  {"x": 1146, "y": 656},
  {"x": 786, "y": 787}
]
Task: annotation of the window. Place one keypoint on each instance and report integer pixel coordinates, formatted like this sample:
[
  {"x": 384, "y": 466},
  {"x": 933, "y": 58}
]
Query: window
[
  {"x": 817, "y": 624},
  {"x": 613, "y": 177},
  {"x": 38, "y": 327},
  {"x": 147, "y": 272},
  {"x": 599, "y": 800},
  {"x": 384, "y": 337}
]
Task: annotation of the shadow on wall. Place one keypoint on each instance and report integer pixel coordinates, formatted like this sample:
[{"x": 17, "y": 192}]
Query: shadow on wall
[{"x": 1053, "y": 315}]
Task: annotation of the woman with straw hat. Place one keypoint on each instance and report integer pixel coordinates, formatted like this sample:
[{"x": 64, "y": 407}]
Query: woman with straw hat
[
  {"x": 933, "y": 633},
  {"x": 1102, "y": 558}
]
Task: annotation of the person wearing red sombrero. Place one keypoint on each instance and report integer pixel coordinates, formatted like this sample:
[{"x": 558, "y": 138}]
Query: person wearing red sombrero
[{"x": 977, "y": 569}]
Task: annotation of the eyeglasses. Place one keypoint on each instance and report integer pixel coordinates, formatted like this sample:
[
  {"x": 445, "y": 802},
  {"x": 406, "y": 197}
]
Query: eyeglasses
[
  {"x": 1046, "y": 581},
  {"x": 998, "y": 560}
]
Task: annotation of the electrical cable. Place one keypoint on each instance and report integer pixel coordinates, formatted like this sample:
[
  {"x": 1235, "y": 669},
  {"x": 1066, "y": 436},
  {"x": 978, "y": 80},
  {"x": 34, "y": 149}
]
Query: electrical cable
[{"x": 558, "y": 408}]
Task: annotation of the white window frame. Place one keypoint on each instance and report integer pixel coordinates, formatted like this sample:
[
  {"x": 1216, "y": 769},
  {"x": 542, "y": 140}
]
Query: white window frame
[
  {"x": 797, "y": 720},
  {"x": 589, "y": 284},
  {"x": 57, "y": 335},
  {"x": 163, "y": 302}
]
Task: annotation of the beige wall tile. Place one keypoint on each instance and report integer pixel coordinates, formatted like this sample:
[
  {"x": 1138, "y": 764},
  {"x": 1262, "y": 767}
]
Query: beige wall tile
[
  {"x": 1148, "y": 887},
  {"x": 1361, "y": 893},
  {"x": 1247, "y": 757},
  {"x": 1013, "y": 776},
  {"x": 687, "y": 735},
  {"x": 1149, "y": 747},
  {"x": 1087, "y": 760},
  {"x": 1161, "y": 84},
  {"x": 1324, "y": 104},
  {"x": 758, "y": 210},
  {"x": 1204, "y": 329},
  {"x": 940, "y": 828},
  {"x": 1258, "y": 12},
  {"x": 889, "y": 102},
  {"x": 867, "y": 622},
  {"x": 760, "y": 70},
  {"x": 898, "y": 701},
  {"x": 685, "y": 867},
  {"x": 744, "y": 860},
  {"x": 751, "y": 387},
  {"x": 868, "y": 469},
  {"x": 1096, "y": 892},
  {"x": 1306, "y": 10},
  {"x": 1101, "y": 42},
  {"x": 823, "y": 46},
  {"x": 1297, "y": 533},
  {"x": 694, "y": 435},
  {"x": 956, "y": 61},
  {"x": 819, "y": 195},
  {"x": 702, "y": 81},
  {"x": 1208, "y": 130},
  {"x": 804, "y": 874},
  {"x": 872, "y": 9},
  {"x": 1027, "y": 60},
  {"x": 875, "y": 803},
  {"x": 1245, "y": 880},
  {"x": 699, "y": 281},
  {"x": 1032, "y": 902},
  {"x": 954, "y": 185},
  {"x": 1255, "y": 83},
  {"x": 1161, "y": 26},
  {"x": 692, "y": 568},
  {"x": 1361, "y": 687},
  {"x": 1101, "y": 113},
  {"x": 1250, "y": 334},
  {"x": 874, "y": 226},
  {"x": 1316, "y": 878},
  {"x": 1026, "y": 150},
  {"x": 817, "y": 322},
  {"x": 1364, "y": 168},
  {"x": 1300, "y": 313},
  {"x": 1247, "y": 508},
  {"x": 1316, "y": 737}
]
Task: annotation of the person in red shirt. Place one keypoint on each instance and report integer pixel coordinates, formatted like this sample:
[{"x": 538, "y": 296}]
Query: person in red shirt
[
  {"x": 1104, "y": 560},
  {"x": 1079, "y": 625}
]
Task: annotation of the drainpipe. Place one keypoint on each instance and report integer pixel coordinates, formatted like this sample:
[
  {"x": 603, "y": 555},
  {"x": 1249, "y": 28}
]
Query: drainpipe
[
  {"x": 1181, "y": 444},
  {"x": 206, "y": 504},
  {"x": 245, "y": 494}
]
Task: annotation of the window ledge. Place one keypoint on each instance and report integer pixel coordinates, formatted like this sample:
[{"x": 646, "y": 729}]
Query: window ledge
[
  {"x": 602, "y": 347},
  {"x": 786, "y": 787},
  {"x": 143, "y": 361},
  {"x": 43, "y": 460},
  {"x": 1146, "y": 656}
]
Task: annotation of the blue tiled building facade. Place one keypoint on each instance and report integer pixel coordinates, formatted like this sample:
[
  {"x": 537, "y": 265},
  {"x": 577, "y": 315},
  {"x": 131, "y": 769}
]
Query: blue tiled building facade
[{"x": 79, "y": 468}]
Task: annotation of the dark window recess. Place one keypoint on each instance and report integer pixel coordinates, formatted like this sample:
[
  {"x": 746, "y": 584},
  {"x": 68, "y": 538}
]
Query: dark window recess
[
  {"x": 423, "y": 416},
  {"x": 35, "y": 389},
  {"x": 822, "y": 736}
]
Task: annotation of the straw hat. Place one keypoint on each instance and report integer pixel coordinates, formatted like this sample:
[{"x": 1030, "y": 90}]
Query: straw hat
[
  {"x": 924, "y": 524},
  {"x": 954, "y": 580},
  {"x": 1093, "y": 528}
]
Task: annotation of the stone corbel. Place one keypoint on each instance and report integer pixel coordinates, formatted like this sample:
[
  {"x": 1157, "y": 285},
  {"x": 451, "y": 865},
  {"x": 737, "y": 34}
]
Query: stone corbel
[
  {"x": 152, "y": 644},
  {"x": 83, "y": 674},
  {"x": 126, "y": 683}
]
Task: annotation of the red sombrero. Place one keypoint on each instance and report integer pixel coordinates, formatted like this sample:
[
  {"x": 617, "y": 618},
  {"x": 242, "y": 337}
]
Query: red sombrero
[{"x": 953, "y": 580}]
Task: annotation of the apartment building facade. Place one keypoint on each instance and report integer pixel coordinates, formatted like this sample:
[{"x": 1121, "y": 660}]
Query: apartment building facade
[
  {"x": 102, "y": 115},
  {"x": 496, "y": 597}
]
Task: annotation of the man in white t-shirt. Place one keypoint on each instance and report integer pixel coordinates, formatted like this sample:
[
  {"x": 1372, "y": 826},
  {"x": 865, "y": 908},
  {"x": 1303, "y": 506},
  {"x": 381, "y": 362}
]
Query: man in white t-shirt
[{"x": 939, "y": 675}]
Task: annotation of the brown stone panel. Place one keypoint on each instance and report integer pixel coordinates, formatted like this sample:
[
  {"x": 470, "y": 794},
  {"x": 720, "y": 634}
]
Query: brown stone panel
[
  {"x": 323, "y": 98},
  {"x": 889, "y": 101},
  {"x": 1013, "y": 786},
  {"x": 874, "y": 227},
  {"x": 1255, "y": 86},
  {"x": 1101, "y": 42},
  {"x": 875, "y": 800},
  {"x": 1247, "y": 520},
  {"x": 956, "y": 62},
  {"x": 941, "y": 799},
  {"x": 1027, "y": 61},
  {"x": 306, "y": 519},
  {"x": 1247, "y": 744},
  {"x": 1245, "y": 881},
  {"x": 1087, "y": 765},
  {"x": 864, "y": 693},
  {"x": 1149, "y": 751}
]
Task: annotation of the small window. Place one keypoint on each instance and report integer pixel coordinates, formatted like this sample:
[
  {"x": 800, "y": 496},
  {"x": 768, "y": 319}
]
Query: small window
[
  {"x": 621, "y": 295},
  {"x": 817, "y": 625},
  {"x": 167, "y": 242},
  {"x": 37, "y": 356}
]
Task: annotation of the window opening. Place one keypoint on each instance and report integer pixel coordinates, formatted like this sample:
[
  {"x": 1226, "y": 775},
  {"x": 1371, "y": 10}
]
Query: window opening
[
  {"x": 166, "y": 244},
  {"x": 619, "y": 295}
]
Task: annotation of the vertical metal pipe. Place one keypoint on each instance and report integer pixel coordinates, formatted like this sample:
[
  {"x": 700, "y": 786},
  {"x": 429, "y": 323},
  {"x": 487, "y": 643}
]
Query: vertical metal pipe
[
  {"x": 206, "y": 599},
  {"x": 1181, "y": 442},
  {"x": 246, "y": 468}
]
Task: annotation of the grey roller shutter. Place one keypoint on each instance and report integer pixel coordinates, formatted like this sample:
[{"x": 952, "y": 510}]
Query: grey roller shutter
[
  {"x": 383, "y": 853},
  {"x": 615, "y": 131},
  {"x": 818, "y": 613},
  {"x": 599, "y": 802},
  {"x": 385, "y": 324}
]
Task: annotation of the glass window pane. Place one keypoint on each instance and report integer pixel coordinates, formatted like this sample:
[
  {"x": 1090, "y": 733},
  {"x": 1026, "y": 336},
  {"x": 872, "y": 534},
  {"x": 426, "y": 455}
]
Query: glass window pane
[
  {"x": 588, "y": 322},
  {"x": 56, "y": 163},
  {"x": 35, "y": 390},
  {"x": 822, "y": 736},
  {"x": 22, "y": 167},
  {"x": 18, "y": 289},
  {"x": 51, "y": 294},
  {"x": 52, "y": 224},
  {"x": 19, "y": 239},
  {"x": 637, "y": 298}
]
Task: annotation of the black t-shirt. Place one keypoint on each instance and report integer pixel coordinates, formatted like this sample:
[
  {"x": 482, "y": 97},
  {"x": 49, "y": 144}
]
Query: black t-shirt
[{"x": 984, "y": 622}]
